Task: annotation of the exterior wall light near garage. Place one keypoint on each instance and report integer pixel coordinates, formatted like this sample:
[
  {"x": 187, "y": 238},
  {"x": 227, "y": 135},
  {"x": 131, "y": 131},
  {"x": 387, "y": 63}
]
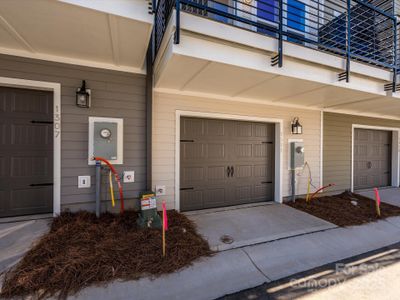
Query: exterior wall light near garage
[
  {"x": 296, "y": 126},
  {"x": 83, "y": 98}
]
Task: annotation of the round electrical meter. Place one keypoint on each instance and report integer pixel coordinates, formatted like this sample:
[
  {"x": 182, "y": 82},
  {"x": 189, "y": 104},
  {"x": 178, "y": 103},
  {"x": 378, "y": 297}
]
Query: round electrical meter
[{"x": 105, "y": 133}]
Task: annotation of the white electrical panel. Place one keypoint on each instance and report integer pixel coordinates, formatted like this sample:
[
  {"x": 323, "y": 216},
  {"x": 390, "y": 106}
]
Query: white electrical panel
[{"x": 106, "y": 139}]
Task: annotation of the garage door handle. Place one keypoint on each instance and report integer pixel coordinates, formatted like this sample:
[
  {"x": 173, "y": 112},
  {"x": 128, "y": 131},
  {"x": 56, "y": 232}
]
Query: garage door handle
[
  {"x": 41, "y": 122},
  {"x": 41, "y": 184},
  {"x": 369, "y": 165},
  {"x": 232, "y": 171},
  {"x": 228, "y": 171}
]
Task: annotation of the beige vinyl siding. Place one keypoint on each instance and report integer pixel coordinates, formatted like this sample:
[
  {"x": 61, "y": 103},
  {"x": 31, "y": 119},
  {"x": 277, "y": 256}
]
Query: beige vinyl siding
[
  {"x": 337, "y": 146},
  {"x": 164, "y": 122},
  {"x": 114, "y": 94}
]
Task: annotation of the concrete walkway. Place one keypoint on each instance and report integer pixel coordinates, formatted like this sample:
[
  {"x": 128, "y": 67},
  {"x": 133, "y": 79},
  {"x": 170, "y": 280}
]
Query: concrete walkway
[
  {"x": 254, "y": 225},
  {"x": 242, "y": 268},
  {"x": 388, "y": 195},
  {"x": 17, "y": 238}
]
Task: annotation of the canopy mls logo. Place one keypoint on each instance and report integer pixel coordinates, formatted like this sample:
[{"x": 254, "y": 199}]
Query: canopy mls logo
[{"x": 329, "y": 278}]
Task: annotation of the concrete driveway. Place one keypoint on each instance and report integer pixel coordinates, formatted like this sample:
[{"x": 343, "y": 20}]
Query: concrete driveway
[
  {"x": 17, "y": 238},
  {"x": 388, "y": 195},
  {"x": 254, "y": 225}
]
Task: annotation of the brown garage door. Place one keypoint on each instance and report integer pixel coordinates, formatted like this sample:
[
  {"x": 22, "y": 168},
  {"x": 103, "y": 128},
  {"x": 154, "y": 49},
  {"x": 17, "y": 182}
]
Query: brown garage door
[
  {"x": 26, "y": 152},
  {"x": 372, "y": 158},
  {"x": 224, "y": 162}
]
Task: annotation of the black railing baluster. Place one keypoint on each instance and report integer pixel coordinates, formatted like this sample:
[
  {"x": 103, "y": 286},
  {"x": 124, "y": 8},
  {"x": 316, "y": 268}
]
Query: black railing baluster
[{"x": 394, "y": 87}]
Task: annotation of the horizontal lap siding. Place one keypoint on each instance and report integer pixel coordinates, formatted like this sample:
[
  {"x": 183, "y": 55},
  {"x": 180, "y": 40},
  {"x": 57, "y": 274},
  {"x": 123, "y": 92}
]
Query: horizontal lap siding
[
  {"x": 114, "y": 94},
  {"x": 337, "y": 146},
  {"x": 164, "y": 112}
]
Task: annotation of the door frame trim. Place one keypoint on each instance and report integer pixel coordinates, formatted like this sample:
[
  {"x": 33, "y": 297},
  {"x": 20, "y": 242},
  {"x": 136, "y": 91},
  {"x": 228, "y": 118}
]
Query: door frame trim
[
  {"x": 395, "y": 172},
  {"x": 55, "y": 88},
  {"x": 278, "y": 146}
]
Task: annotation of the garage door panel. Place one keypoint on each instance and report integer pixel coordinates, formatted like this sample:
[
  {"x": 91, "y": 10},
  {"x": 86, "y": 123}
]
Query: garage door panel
[
  {"x": 191, "y": 175},
  {"x": 263, "y": 192},
  {"x": 236, "y": 158},
  {"x": 191, "y": 200},
  {"x": 214, "y": 197},
  {"x": 372, "y": 158},
  {"x": 216, "y": 150},
  {"x": 192, "y": 127},
  {"x": 193, "y": 151},
  {"x": 216, "y": 173},
  {"x": 215, "y": 128},
  {"x": 31, "y": 198}
]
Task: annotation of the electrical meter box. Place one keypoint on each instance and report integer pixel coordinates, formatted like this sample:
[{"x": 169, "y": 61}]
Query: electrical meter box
[
  {"x": 296, "y": 151},
  {"x": 105, "y": 139}
]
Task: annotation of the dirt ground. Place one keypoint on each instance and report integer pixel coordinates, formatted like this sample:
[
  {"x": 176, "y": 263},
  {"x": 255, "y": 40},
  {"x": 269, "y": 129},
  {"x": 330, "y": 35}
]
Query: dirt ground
[
  {"x": 340, "y": 210},
  {"x": 81, "y": 250}
]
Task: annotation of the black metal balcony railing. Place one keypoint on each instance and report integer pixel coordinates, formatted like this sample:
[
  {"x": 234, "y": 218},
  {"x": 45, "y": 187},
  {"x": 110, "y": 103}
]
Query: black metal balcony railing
[{"x": 358, "y": 30}]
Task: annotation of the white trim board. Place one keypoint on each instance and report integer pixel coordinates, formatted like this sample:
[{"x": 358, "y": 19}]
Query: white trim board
[
  {"x": 395, "y": 151},
  {"x": 56, "y": 89},
  {"x": 278, "y": 146}
]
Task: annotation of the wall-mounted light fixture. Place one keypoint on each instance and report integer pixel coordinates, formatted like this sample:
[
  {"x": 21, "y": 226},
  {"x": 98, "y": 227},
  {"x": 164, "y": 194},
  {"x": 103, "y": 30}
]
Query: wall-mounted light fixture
[
  {"x": 296, "y": 126},
  {"x": 83, "y": 98}
]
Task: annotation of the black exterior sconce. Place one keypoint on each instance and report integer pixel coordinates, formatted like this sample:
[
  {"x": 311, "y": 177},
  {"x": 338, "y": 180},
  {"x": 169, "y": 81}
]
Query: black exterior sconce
[
  {"x": 83, "y": 98},
  {"x": 297, "y": 128}
]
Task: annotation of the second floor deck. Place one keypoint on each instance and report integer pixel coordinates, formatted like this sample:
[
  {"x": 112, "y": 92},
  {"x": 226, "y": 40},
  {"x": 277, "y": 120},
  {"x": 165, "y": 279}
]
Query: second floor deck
[{"x": 362, "y": 31}]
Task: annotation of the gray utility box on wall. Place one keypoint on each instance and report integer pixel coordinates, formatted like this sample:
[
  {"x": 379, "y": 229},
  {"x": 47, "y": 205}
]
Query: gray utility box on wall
[
  {"x": 296, "y": 155},
  {"x": 105, "y": 140}
]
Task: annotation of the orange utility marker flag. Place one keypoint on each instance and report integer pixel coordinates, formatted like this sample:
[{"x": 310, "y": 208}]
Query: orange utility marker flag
[
  {"x": 377, "y": 202},
  {"x": 164, "y": 225}
]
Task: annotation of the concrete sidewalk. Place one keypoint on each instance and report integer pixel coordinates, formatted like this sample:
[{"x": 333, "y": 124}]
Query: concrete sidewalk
[{"x": 242, "y": 268}]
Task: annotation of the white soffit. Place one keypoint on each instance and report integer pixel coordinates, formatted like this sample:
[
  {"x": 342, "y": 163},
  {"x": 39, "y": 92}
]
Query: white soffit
[
  {"x": 192, "y": 76},
  {"x": 57, "y": 31}
]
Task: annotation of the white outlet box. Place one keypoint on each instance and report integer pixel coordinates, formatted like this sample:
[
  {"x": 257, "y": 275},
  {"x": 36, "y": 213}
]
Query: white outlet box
[
  {"x": 161, "y": 190},
  {"x": 83, "y": 182},
  {"x": 129, "y": 176}
]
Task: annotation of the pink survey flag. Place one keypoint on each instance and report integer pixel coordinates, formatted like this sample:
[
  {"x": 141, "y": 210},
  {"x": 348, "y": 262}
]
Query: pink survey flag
[
  {"x": 377, "y": 197},
  {"x": 165, "y": 218}
]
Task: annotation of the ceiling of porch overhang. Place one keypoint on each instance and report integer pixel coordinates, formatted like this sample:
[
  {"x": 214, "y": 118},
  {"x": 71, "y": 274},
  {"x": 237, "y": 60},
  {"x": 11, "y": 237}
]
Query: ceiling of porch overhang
[
  {"x": 193, "y": 76},
  {"x": 57, "y": 31}
]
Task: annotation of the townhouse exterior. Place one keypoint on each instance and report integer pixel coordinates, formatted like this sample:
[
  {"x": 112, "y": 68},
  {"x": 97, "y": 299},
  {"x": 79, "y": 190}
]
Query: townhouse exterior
[{"x": 208, "y": 92}]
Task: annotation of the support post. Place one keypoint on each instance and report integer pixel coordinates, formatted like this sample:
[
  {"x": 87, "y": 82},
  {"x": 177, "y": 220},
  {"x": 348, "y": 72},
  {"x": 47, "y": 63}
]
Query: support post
[
  {"x": 98, "y": 187},
  {"x": 178, "y": 22},
  {"x": 278, "y": 58},
  {"x": 346, "y": 74}
]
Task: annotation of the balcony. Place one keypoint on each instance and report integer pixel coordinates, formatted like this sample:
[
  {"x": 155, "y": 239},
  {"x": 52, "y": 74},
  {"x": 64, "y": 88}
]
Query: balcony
[
  {"x": 333, "y": 55},
  {"x": 354, "y": 29}
]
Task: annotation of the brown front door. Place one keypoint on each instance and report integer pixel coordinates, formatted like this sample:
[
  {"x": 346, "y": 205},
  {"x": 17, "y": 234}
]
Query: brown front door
[
  {"x": 372, "y": 158},
  {"x": 224, "y": 162},
  {"x": 26, "y": 152}
]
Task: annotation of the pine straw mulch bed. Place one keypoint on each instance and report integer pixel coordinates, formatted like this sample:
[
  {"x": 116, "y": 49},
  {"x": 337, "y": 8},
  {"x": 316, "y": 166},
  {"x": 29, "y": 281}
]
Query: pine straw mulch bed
[
  {"x": 339, "y": 210},
  {"x": 81, "y": 250}
]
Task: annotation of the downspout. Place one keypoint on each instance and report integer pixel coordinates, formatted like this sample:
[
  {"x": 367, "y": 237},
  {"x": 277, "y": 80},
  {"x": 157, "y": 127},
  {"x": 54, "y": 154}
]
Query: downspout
[{"x": 149, "y": 114}]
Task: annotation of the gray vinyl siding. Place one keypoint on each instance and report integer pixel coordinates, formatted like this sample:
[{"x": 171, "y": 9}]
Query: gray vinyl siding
[
  {"x": 114, "y": 94},
  {"x": 337, "y": 146}
]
